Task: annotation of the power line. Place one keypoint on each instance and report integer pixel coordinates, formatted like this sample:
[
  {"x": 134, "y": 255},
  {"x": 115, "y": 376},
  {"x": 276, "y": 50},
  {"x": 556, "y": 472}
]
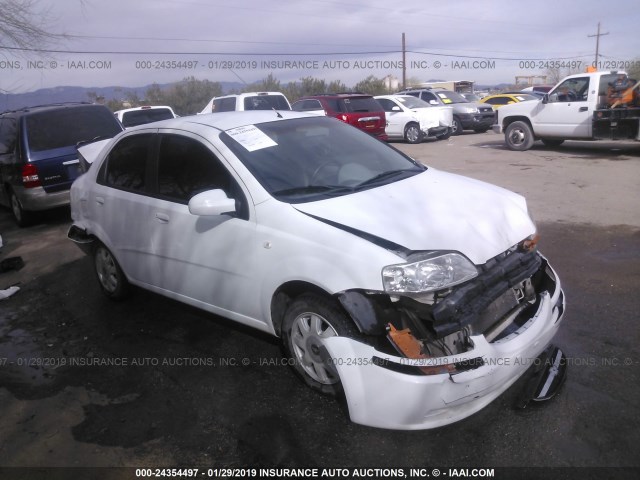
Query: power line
[{"x": 274, "y": 54}]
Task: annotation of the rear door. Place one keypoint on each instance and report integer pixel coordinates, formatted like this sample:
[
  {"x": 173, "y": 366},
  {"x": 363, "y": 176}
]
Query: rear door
[
  {"x": 50, "y": 138},
  {"x": 365, "y": 113}
]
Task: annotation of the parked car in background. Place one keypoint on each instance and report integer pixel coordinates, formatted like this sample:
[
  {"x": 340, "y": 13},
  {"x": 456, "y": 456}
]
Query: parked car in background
[
  {"x": 500, "y": 99},
  {"x": 412, "y": 120},
  {"x": 132, "y": 117},
  {"x": 466, "y": 115},
  {"x": 38, "y": 157},
  {"x": 357, "y": 109},
  {"x": 419, "y": 293},
  {"x": 472, "y": 97},
  {"x": 247, "y": 101}
]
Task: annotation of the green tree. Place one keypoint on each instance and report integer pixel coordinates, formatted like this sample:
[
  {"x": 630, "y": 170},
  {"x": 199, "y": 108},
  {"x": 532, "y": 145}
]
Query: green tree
[
  {"x": 268, "y": 84},
  {"x": 186, "y": 97},
  {"x": 371, "y": 85}
]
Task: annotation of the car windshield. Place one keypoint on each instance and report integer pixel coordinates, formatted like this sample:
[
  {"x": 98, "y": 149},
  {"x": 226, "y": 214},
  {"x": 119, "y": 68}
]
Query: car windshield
[
  {"x": 450, "y": 97},
  {"x": 66, "y": 127},
  {"x": 145, "y": 115},
  {"x": 412, "y": 102},
  {"x": 266, "y": 102},
  {"x": 308, "y": 159}
]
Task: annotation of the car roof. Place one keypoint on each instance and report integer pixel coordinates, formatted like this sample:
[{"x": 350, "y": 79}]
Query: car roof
[
  {"x": 50, "y": 106},
  {"x": 146, "y": 107},
  {"x": 337, "y": 95},
  {"x": 225, "y": 120}
]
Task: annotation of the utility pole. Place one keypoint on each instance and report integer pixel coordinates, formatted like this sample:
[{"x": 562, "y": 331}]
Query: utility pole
[
  {"x": 404, "y": 63},
  {"x": 597, "y": 35}
]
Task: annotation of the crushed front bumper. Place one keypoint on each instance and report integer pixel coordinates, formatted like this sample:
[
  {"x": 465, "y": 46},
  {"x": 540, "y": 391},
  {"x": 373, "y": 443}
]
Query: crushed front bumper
[{"x": 391, "y": 392}]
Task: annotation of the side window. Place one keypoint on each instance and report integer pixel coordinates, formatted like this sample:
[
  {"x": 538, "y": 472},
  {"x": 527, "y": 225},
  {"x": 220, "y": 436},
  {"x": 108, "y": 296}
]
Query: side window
[
  {"x": 387, "y": 104},
  {"x": 498, "y": 101},
  {"x": 571, "y": 90},
  {"x": 7, "y": 135},
  {"x": 126, "y": 166},
  {"x": 428, "y": 96},
  {"x": 227, "y": 104},
  {"x": 186, "y": 167}
]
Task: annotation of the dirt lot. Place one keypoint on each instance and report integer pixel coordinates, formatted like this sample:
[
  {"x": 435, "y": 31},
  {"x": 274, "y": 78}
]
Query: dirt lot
[{"x": 192, "y": 389}]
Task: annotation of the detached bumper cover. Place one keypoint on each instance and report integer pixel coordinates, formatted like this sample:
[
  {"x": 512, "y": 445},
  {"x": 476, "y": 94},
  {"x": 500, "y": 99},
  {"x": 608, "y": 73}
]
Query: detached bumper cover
[{"x": 389, "y": 392}]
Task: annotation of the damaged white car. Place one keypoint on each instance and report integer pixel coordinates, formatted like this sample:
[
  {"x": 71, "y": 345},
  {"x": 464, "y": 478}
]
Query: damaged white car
[{"x": 419, "y": 294}]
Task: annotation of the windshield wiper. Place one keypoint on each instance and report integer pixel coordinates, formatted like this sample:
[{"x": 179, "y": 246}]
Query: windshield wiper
[
  {"x": 386, "y": 175},
  {"x": 311, "y": 189}
]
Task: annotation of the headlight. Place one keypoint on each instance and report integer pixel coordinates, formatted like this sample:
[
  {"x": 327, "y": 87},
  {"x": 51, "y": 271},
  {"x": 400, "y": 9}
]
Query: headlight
[
  {"x": 472, "y": 110},
  {"x": 430, "y": 273}
]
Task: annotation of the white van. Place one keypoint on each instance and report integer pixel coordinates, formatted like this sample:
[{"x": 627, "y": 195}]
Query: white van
[{"x": 248, "y": 101}]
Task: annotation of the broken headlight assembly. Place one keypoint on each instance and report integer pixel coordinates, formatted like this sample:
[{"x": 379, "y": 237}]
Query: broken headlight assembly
[{"x": 428, "y": 272}]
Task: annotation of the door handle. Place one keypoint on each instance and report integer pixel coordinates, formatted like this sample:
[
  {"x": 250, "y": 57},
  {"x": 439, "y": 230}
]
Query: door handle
[
  {"x": 583, "y": 109},
  {"x": 162, "y": 217},
  {"x": 100, "y": 200}
]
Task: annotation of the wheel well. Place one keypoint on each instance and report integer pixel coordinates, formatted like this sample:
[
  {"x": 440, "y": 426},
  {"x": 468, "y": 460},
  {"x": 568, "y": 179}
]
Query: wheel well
[
  {"x": 285, "y": 295},
  {"x": 509, "y": 120}
]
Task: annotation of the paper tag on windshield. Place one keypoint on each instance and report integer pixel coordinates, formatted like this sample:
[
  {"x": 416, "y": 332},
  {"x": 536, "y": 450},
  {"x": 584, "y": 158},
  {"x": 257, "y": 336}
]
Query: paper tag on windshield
[{"x": 251, "y": 137}]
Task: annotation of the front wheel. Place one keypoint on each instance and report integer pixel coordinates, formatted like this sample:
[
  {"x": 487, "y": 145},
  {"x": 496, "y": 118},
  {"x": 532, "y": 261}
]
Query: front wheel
[
  {"x": 412, "y": 133},
  {"x": 112, "y": 281},
  {"x": 308, "y": 320},
  {"x": 518, "y": 136},
  {"x": 456, "y": 129}
]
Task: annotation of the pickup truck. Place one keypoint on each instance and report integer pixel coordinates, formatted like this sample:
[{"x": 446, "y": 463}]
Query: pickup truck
[{"x": 585, "y": 106}]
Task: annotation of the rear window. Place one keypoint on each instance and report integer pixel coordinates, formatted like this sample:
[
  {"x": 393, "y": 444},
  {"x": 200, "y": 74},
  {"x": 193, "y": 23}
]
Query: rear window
[
  {"x": 140, "y": 117},
  {"x": 360, "y": 104},
  {"x": 66, "y": 127},
  {"x": 266, "y": 102}
]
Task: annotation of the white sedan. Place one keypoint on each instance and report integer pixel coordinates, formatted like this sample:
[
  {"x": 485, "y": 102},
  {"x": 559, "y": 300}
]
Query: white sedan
[
  {"x": 418, "y": 293},
  {"x": 412, "y": 120}
]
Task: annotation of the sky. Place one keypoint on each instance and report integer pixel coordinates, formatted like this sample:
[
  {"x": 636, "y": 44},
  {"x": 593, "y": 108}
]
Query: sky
[{"x": 136, "y": 43}]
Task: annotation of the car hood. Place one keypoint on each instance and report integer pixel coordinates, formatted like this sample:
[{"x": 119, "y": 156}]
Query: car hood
[{"x": 433, "y": 210}]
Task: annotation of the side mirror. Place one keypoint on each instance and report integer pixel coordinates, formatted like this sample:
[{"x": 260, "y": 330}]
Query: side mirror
[
  {"x": 545, "y": 98},
  {"x": 433, "y": 102},
  {"x": 396, "y": 109},
  {"x": 210, "y": 203}
]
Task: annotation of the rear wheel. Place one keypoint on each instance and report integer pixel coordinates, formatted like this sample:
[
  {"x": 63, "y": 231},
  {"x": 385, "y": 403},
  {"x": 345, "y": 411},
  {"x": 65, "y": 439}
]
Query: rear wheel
[
  {"x": 21, "y": 217},
  {"x": 412, "y": 133},
  {"x": 446, "y": 135},
  {"x": 111, "y": 279},
  {"x": 308, "y": 320},
  {"x": 518, "y": 136}
]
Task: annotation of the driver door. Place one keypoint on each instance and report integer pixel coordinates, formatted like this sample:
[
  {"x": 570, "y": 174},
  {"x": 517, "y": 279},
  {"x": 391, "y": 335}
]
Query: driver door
[
  {"x": 566, "y": 113},
  {"x": 396, "y": 119}
]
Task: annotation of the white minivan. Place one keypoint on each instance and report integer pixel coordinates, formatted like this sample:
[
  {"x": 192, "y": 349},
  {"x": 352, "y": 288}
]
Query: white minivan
[{"x": 417, "y": 293}]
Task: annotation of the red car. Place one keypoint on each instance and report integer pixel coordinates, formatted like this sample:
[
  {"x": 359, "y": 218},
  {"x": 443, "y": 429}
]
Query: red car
[{"x": 357, "y": 109}]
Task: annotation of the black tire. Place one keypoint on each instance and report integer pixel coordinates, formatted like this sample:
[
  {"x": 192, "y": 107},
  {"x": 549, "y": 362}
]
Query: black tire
[
  {"x": 444, "y": 136},
  {"x": 518, "y": 136},
  {"x": 112, "y": 280},
  {"x": 307, "y": 319},
  {"x": 412, "y": 133},
  {"x": 481, "y": 130},
  {"x": 552, "y": 142},
  {"x": 22, "y": 217},
  {"x": 456, "y": 129}
]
